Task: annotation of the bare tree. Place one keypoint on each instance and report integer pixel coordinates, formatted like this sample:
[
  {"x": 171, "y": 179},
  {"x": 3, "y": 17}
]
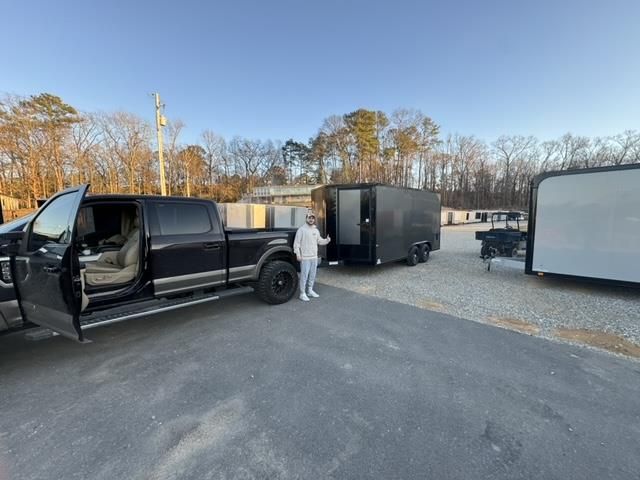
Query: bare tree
[
  {"x": 247, "y": 155},
  {"x": 172, "y": 150},
  {"x": 85, "y": 136},
  {"x": 628, "y": 148},
  {"x": 571, "y": 151},
  {"x": 216, "y": 158},
  {"x": 46, "y": 144},
  {"x": 508, "y": 150},
  {"x": 127, "y": 139}
]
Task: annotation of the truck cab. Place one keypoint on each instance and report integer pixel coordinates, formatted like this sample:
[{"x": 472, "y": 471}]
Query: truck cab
[{"x": 84, "y": 261}]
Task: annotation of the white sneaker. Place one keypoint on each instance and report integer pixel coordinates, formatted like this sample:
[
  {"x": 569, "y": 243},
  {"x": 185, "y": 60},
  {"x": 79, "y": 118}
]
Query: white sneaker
[
  {"x": 313, "y": 294},
  {"x": 303, "y": 297}
]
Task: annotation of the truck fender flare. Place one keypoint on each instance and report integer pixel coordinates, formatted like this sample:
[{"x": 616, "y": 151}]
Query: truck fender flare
[{"x": 265, "y": 256}]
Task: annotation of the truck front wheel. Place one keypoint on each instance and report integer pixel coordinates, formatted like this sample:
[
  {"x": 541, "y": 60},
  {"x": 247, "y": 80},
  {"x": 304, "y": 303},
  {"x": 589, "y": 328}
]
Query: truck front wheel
[{"x": 278, "y": 282}]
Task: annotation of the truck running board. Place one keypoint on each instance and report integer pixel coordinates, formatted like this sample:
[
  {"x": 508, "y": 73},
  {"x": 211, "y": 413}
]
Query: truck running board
[{"x": 144, "y": 309}]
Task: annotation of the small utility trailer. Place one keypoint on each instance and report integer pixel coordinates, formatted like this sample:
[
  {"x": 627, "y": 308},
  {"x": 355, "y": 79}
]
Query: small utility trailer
[
  {"x": 504, "y": 240},
  {"x": 586, "y": 224},
  {"x": 371, "y": 223}
]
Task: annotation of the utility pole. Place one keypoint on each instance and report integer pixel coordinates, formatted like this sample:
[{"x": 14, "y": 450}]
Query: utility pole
[{"x": 161, "y": 121}]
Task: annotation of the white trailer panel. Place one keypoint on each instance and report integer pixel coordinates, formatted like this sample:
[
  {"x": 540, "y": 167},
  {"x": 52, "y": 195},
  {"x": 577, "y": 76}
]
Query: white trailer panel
[{"x": 586, "y": 223}]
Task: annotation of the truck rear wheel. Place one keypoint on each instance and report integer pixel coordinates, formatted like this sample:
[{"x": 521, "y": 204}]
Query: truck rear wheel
[
  {"x": 423, "y": 253},
  {"x": 412, "y": 258},
  {"x": 278, "y": 282}
]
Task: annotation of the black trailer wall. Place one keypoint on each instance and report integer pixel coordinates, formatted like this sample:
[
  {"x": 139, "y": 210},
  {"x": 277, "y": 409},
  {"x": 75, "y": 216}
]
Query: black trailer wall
[{"x": 405, "y": 217}]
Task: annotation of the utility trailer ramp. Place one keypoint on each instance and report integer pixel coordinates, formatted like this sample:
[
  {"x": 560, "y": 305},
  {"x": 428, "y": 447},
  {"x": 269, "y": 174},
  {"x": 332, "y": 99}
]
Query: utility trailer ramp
[{"x": 586, "y": 223}]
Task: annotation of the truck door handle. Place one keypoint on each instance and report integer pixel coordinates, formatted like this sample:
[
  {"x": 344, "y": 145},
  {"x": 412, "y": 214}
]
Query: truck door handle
[
  {"x": 51, "y": 269},
  {"x": 212, "y": 246}
]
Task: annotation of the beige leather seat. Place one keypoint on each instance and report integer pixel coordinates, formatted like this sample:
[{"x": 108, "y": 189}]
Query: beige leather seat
[
  {"x": 116, "y": 267},
  {"x": 128, "y": 223}
]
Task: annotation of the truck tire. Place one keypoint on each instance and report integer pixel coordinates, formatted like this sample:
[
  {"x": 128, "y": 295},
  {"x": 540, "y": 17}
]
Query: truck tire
[
  {"x": 412, "y": 257},
  {"x": 423, "y": 253},
  {"x": 278, "y": 282}
]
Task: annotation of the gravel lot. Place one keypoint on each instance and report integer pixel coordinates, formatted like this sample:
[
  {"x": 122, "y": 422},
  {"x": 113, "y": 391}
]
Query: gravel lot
[{"x": 456, "y": 281}]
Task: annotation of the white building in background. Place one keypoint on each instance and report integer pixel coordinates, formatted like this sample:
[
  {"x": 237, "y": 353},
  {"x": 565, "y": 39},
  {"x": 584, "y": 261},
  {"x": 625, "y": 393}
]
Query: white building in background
[
  {"x": 453, "y": 216},
  {"x": 11, "y": 208},
  {"x": 10, "y": 203}
]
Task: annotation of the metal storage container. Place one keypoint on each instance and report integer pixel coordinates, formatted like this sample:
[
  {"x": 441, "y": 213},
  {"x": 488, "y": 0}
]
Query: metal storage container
[{"x": 252, "y": 215}]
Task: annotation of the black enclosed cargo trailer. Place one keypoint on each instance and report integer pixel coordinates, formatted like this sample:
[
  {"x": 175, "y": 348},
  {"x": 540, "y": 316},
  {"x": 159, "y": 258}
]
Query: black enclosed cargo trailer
[
  {"x": 373, "y": 224},
  {"x": 586, "y": 224}
]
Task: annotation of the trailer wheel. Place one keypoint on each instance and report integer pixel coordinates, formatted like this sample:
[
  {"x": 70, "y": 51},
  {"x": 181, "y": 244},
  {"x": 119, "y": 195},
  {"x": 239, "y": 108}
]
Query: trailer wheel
[
  {"x": 278, "y": 282},
  {"x": 413, "y": 257},
  {"x": 423, "y": 253},
  {"x": 509, "y": 251}
]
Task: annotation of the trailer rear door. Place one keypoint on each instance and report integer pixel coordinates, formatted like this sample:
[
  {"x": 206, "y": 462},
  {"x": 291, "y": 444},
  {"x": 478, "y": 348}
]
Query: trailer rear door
[{"x": 354, "y": 224}]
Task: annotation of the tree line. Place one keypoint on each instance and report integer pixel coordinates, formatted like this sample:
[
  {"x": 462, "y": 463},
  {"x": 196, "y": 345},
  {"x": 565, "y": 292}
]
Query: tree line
[{"x": 47, "y": 144}]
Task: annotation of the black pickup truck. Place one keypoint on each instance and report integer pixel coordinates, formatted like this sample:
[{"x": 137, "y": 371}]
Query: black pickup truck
[{"x": 87, "y": 260}]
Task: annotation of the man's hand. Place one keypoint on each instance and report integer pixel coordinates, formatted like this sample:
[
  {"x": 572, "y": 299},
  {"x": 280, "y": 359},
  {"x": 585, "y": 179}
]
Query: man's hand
[
  {"x": 299, "y": 258},
  {"x": 328, "y": 238}
]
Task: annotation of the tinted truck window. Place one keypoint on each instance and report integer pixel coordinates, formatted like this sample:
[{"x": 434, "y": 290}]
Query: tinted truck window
[
  {"x": 52, "y": 225},
  {"x": 182, "y": 218}
]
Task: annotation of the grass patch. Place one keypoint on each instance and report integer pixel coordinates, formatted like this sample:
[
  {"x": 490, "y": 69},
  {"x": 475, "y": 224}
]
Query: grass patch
[
  {"x": 515, "y": 324},
  {"x": 428, "y": 304},
  {"x": 606, "y": 341}
]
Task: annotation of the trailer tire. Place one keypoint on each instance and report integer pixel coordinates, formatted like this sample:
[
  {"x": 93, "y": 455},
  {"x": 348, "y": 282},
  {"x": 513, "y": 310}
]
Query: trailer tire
[
  {"x": 278, "y": 282},
  {"x": 423, "y": 253},
  {"x": 413, "y": 257}
]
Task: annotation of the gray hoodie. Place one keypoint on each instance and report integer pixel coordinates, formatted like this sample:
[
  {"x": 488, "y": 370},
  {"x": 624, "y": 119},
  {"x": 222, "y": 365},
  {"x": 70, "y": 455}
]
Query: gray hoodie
[{"x": 305, "y": 245}]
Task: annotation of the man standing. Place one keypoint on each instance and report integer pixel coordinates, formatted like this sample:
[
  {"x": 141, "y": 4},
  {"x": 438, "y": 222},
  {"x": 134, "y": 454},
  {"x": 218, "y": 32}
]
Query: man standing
[{"x": 305, "y": 246}]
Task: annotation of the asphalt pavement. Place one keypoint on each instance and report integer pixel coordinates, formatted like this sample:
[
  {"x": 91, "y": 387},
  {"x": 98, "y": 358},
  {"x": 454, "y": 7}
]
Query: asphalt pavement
[{"x": 346, "y": 386}]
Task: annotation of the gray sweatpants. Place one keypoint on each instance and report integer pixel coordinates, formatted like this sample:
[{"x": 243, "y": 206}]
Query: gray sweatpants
[{"x": 307, "y": 274}]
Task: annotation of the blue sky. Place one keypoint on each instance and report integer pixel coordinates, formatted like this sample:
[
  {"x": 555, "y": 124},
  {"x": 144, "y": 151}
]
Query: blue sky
[{"x": 276, "y": 69}]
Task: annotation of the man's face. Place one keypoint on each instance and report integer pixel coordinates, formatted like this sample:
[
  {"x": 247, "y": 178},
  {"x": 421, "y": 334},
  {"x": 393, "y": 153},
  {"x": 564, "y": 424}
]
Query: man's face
[{"x": 311, "y": 220}]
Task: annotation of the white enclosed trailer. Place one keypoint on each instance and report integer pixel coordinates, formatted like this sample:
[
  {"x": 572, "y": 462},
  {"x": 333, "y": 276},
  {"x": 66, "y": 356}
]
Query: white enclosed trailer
[{"x": 586, "y": 224}]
